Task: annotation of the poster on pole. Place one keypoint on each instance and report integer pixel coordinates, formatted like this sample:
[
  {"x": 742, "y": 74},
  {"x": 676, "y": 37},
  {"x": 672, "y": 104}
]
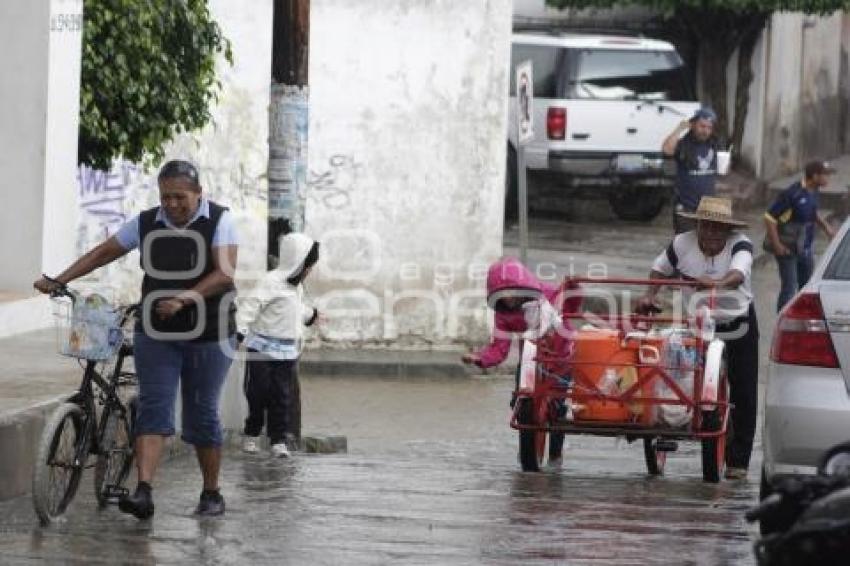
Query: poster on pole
[{"x": 525, "y": 101}]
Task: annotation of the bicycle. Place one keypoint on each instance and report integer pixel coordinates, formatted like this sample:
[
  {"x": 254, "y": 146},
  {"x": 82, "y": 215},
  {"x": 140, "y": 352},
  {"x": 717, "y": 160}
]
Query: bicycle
[{"x": 77, "y": 430}]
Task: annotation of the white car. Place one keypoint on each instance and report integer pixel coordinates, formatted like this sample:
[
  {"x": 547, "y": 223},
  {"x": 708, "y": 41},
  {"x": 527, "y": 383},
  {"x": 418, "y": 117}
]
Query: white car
[
  {"x": 807, "y": 402},
  {"x": 603, "y": 105}
]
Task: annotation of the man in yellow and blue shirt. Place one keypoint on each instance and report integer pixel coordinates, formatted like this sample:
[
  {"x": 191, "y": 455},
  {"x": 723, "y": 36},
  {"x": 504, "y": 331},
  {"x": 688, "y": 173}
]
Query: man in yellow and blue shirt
[{"x": 797, "y": 207}]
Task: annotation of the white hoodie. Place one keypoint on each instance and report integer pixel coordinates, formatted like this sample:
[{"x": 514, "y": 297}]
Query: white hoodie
[{"x": 276, "y": 309}]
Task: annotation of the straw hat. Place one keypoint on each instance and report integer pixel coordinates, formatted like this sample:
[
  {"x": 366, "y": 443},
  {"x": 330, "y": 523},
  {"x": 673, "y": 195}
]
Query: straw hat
[{"x": 714, "y": 209}]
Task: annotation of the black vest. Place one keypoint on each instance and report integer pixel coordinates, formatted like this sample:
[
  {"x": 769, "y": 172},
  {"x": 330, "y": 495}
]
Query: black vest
[{"x": 176, "y": 251}]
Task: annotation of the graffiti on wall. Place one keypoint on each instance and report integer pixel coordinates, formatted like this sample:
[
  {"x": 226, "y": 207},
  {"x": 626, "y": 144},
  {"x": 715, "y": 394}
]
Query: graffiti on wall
[
  {"x": 103, "y": 196},
  {"x": 333, "y": 185}
]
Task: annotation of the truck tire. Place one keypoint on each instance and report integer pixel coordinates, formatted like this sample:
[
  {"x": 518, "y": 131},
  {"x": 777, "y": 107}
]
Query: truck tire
[{"x": 633, "y": 203}]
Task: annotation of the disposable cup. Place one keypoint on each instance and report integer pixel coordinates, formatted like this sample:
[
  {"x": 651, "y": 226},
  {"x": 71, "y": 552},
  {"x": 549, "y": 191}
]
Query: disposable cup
[{"x": 724, "y": 161}]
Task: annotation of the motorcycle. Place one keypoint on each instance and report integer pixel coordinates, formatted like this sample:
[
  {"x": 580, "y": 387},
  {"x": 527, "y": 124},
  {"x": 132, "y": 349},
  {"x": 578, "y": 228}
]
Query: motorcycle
[{"x": 807, "y": 518}]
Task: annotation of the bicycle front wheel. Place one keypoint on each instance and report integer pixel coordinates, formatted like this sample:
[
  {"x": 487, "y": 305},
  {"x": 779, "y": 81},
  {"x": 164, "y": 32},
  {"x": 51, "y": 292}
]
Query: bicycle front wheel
[
  {"x": 116, "y": 454},
  {"x": 57, "y": 472}
]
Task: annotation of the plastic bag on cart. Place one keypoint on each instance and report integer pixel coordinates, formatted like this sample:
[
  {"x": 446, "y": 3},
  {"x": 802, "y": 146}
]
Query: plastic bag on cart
[{"x": 679, "y": 362}]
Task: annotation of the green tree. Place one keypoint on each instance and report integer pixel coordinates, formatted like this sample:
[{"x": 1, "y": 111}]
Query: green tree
[
  {"x": 717, "y": 28},
  {"x": 148, "y": 73}
]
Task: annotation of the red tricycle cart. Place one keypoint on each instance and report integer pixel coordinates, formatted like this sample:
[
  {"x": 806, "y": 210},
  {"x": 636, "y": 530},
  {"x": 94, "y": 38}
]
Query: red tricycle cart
[{"x": 657, "y": 379}]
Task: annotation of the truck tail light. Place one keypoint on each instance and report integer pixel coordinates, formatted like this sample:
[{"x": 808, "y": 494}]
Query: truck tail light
[{"x": 556, "y": 123}]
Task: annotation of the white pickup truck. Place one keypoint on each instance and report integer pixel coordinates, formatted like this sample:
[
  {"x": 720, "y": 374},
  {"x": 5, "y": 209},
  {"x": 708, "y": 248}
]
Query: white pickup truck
[{"x": 603, "y": 105}]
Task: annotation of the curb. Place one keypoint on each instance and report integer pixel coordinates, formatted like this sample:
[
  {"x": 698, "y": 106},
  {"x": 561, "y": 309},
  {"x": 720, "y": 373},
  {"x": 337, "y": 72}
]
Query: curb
[
  {"x": 396, "y": 364},
  {"x": 20, "y": 433}
]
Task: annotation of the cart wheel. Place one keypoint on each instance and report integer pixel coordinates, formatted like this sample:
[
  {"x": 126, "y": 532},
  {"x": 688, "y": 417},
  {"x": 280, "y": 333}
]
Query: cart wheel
[
  {"x": 655, "y": 459},
  {"x": 532, "y": 443},
  {"x": 714, "y": 449}
]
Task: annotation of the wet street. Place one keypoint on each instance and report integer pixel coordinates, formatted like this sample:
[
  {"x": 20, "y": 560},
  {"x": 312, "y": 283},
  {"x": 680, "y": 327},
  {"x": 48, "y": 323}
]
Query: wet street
[{"x": 431, "y": 477}]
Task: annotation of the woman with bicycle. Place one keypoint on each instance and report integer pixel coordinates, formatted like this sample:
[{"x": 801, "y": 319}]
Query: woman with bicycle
[{"x": 186, "y": 332}]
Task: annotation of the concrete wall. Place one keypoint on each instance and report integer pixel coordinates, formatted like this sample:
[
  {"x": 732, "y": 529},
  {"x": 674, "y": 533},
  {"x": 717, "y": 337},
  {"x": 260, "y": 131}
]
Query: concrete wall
[
  {"x": 844, "y": 84},
  {"x": 405, "y": 189},
  {"x": 752, "y": 143},
  {"x": 819, "y": 100},
  {"x": 802, "y": 103},
  {"x": 40, "y": 64}
]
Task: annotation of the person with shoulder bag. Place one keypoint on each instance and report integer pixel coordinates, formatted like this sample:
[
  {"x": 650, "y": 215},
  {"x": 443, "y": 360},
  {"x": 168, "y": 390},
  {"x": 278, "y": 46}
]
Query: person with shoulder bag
[{"x": 790, "y": 222}]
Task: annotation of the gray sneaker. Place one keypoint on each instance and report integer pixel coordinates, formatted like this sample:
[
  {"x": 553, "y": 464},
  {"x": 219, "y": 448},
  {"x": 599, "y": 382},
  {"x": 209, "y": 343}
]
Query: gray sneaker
[
  {"x": 250, "y": 445},
  {"x": 280, "y": 450}
]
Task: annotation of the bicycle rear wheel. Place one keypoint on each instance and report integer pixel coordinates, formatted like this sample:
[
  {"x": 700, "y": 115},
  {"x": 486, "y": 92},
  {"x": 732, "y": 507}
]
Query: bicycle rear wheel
[
  {"x": 56, "y": 475},
  {"x": 116, "y": 454}
]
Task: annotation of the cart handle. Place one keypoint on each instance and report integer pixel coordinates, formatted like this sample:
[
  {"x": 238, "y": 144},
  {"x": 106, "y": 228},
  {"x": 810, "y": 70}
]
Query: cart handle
[
  {"x": 571, "y": 282},
  {"x": 625, "y": 281}
]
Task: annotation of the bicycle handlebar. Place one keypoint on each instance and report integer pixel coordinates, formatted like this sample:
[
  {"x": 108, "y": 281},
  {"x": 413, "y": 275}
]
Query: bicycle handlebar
[{"x": 61, "y": 290}]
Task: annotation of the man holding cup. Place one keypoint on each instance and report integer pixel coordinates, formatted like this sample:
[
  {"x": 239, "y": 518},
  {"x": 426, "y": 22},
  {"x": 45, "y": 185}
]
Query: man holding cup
[{"x": 696, "y": 155}]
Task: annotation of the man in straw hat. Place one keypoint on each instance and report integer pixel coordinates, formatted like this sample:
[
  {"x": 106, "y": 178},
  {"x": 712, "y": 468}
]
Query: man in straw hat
[{"x": 718, "y": 257}]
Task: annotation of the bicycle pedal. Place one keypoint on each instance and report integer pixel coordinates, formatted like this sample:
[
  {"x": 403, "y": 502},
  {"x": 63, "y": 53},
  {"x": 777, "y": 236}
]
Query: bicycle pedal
[
  {"x": 114, "y": 492},
  {"x": 666, "y": 445}
]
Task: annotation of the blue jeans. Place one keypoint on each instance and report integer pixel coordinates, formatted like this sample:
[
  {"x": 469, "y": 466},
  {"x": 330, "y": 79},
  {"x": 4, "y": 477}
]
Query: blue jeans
[
  {"x": 199, "y": 368},
  {"x": 794, "y": 272}
]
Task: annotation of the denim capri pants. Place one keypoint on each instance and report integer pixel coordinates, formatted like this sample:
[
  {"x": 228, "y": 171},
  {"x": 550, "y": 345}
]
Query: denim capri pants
[{"x": 199, "y": 369}]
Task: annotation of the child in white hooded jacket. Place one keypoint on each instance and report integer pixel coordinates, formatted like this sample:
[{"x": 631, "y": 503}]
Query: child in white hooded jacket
[{"x": 272, "y": 318}]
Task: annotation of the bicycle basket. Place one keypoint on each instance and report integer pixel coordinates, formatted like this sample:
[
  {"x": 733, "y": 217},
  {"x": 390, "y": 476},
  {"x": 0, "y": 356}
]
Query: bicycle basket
[{"x": 88, "y": 328}]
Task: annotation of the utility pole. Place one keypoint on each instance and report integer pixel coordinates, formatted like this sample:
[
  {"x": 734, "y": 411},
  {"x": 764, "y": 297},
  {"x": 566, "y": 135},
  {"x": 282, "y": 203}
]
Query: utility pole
[{"x": 288, "y": 119}]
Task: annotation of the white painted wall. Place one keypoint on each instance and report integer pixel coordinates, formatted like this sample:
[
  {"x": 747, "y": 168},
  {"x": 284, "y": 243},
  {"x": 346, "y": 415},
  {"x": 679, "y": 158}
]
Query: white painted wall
[
  {"x": 63, "y": 110},
  {"x": 407, "y": 129},
  {"x": 40, "y": 63},
  {"x": 231, "y": 154}
]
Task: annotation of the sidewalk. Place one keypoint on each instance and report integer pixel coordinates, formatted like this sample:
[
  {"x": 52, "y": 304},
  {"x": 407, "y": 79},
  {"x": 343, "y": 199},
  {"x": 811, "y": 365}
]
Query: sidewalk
[{"x": 35, "y": 379}]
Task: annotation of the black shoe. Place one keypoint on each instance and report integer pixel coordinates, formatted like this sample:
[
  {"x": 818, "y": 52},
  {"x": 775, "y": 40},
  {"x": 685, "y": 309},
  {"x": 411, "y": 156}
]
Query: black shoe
[
  {"x": 140, "y": 504},
  {"x": 211, "y": 504}
]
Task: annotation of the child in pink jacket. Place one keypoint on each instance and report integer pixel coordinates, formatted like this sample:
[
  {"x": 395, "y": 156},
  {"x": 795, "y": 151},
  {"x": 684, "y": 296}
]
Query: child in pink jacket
[{"x": 520, "y": 302}]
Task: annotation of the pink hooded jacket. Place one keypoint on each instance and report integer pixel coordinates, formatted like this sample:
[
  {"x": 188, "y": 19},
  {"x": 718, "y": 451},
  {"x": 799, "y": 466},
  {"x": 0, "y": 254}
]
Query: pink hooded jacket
[{"x": 509, "y": 273}]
